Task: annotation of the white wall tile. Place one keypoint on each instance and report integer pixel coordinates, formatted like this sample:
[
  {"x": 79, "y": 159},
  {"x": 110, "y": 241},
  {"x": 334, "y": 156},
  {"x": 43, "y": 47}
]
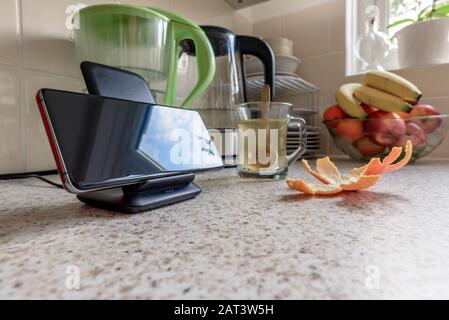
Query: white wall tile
[
  {"x": 433, "y": 81},
  {"x": 38, "y": 155},
  {"x": 441, "y": 103},
  {"x": 206, "y": 12},
  {"x": 317, "y": 70},
  {"x": 47, "y": 43},
  {"x": 337, "y": 72},
  {"x": 162, "y": 4},
  {"x": 309, "y": 30},
  {"x": 242, "y": 25},
  {"x": 11, "y": 156},
  {"x": 337, "y": 25},
  {"x": 269, "y": 28},
  {"x": 9, "y": 48},
  {"x": 278, "y": 8}
]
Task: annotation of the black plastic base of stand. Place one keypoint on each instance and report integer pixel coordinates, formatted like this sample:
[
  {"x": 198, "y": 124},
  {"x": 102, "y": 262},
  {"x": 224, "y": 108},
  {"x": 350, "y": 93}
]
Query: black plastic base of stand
[{"x": 145, "y": 196}]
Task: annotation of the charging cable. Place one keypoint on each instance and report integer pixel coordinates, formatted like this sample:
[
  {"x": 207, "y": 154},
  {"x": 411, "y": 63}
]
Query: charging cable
[{"x": 31, "y": 175}]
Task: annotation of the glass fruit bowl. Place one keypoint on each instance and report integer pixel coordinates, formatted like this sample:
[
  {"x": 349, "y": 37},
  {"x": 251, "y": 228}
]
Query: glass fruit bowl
[{"x": 374, "y": 137}]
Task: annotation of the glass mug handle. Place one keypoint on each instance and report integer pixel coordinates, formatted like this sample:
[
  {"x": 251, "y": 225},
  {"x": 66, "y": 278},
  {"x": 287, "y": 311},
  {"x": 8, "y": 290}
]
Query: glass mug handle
[{"x": 302, "y": 139}]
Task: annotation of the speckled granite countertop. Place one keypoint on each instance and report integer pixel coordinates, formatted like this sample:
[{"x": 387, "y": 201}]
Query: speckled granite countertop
[{"x": 238, "y": 239}]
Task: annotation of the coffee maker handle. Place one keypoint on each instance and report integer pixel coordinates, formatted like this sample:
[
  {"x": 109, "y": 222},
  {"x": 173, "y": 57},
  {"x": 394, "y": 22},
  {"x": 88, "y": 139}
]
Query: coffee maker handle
[
  {"x": 262, "y": 50},
  {"x": 205, "y": 63}
]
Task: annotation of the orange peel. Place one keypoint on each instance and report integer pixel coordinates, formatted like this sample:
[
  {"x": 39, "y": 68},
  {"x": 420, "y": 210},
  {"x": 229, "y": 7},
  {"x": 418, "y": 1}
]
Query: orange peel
[
  {"x": 361, "y": 183},
  {"x": 326, "y": 168},
  {"x": 375, "y": 166},
  {"x": 333, "y": 182},
  {"x": 311, "y": 189},
  {"x": 309, "y": 169}
]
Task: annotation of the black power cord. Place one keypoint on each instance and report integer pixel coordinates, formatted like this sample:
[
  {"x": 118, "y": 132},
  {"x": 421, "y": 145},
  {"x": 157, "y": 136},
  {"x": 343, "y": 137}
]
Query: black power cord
[{"x": 33, "y": 175}]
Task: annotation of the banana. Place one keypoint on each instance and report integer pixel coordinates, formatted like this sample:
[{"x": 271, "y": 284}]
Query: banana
[
  {"x": 381, "y": 100},
  {"x": 393, "y": 84},
  {"x": 345, "y": 98}
]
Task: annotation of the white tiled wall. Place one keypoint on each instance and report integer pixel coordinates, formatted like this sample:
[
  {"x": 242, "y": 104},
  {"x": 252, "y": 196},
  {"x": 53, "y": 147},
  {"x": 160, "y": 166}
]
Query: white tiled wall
[
  {"x": 36, "y": 51},
  {"x": 10, "y": 117},
  {"x": 317, "y": 28}
]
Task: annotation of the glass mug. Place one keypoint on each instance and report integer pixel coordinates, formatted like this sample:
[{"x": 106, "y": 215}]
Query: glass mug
[{"x": 263, "y": 140}]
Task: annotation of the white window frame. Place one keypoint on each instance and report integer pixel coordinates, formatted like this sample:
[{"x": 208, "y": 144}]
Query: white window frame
[{"x": 355, "y": 27}]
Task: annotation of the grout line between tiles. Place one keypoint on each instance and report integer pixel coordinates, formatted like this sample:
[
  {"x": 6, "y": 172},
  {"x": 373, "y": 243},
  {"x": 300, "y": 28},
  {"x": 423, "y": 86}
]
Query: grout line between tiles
[
  {"x": 56, "y": 75},
  {"x": 22, "y": 98},
  {"x": 320, "y": 55},
  {"x": 329, "y": 27},
  {"x": 40, "y": 72},
  {"x": 434, "y": 97}
]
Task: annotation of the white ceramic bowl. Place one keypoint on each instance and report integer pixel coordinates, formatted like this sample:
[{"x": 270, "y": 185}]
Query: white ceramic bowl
[
  {"x": 280, "y": 46},
  {"x": 284, "y": 64}
]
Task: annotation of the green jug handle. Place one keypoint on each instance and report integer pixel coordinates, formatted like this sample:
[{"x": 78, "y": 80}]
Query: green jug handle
[{"x": 205, "y": 61}]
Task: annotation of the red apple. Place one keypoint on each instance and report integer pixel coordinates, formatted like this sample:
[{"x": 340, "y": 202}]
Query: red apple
[
  {"x": 428, "y": 124},
  {"x": 369, "y": 148},
  {"x": 384, "y": 128},
  {"x": 415, "y": 134},
  {"x": 333, "y": 114},
  {"x": 368, "y": 109}
]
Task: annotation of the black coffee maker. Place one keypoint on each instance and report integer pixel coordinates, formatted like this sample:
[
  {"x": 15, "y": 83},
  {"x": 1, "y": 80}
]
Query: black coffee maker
[{"x": 217, "y": 105}]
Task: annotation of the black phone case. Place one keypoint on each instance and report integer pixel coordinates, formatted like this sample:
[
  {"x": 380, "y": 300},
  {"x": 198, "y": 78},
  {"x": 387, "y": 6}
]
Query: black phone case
[{"x": 117, "y": 83}]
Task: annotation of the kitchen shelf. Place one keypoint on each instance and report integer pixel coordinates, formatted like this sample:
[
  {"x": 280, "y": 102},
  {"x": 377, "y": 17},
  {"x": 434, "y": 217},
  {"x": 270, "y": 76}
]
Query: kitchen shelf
[{"x": 286, "y": 86}]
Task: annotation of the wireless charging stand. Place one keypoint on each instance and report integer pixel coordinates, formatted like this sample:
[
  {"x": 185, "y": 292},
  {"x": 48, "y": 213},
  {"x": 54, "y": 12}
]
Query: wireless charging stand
[{"x": 148, "y": 195}]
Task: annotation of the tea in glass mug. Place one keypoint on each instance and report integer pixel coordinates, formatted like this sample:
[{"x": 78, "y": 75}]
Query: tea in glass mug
[{"x": 263, "y": 140}]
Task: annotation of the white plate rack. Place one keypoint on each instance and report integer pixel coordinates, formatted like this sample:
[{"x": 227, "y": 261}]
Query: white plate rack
[{"x": 286, "y": 85}]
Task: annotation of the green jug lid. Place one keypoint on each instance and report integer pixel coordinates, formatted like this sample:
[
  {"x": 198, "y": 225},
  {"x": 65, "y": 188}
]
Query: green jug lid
[
  {"x": 175, "y": 17},
  {"x": 125, "y": 9}
]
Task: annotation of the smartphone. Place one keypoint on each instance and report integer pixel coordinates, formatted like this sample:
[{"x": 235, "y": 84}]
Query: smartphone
[{"x": 101, "y": 143}]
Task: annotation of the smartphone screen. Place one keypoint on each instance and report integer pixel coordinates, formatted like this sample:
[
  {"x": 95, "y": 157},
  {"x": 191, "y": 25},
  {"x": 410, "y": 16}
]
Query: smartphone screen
[{"x": 105, "y": 142}]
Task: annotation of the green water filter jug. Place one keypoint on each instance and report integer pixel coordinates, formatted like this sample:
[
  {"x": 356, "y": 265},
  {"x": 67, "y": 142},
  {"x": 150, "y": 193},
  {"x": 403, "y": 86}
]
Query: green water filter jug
[{"x": 146, "y": 41}]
